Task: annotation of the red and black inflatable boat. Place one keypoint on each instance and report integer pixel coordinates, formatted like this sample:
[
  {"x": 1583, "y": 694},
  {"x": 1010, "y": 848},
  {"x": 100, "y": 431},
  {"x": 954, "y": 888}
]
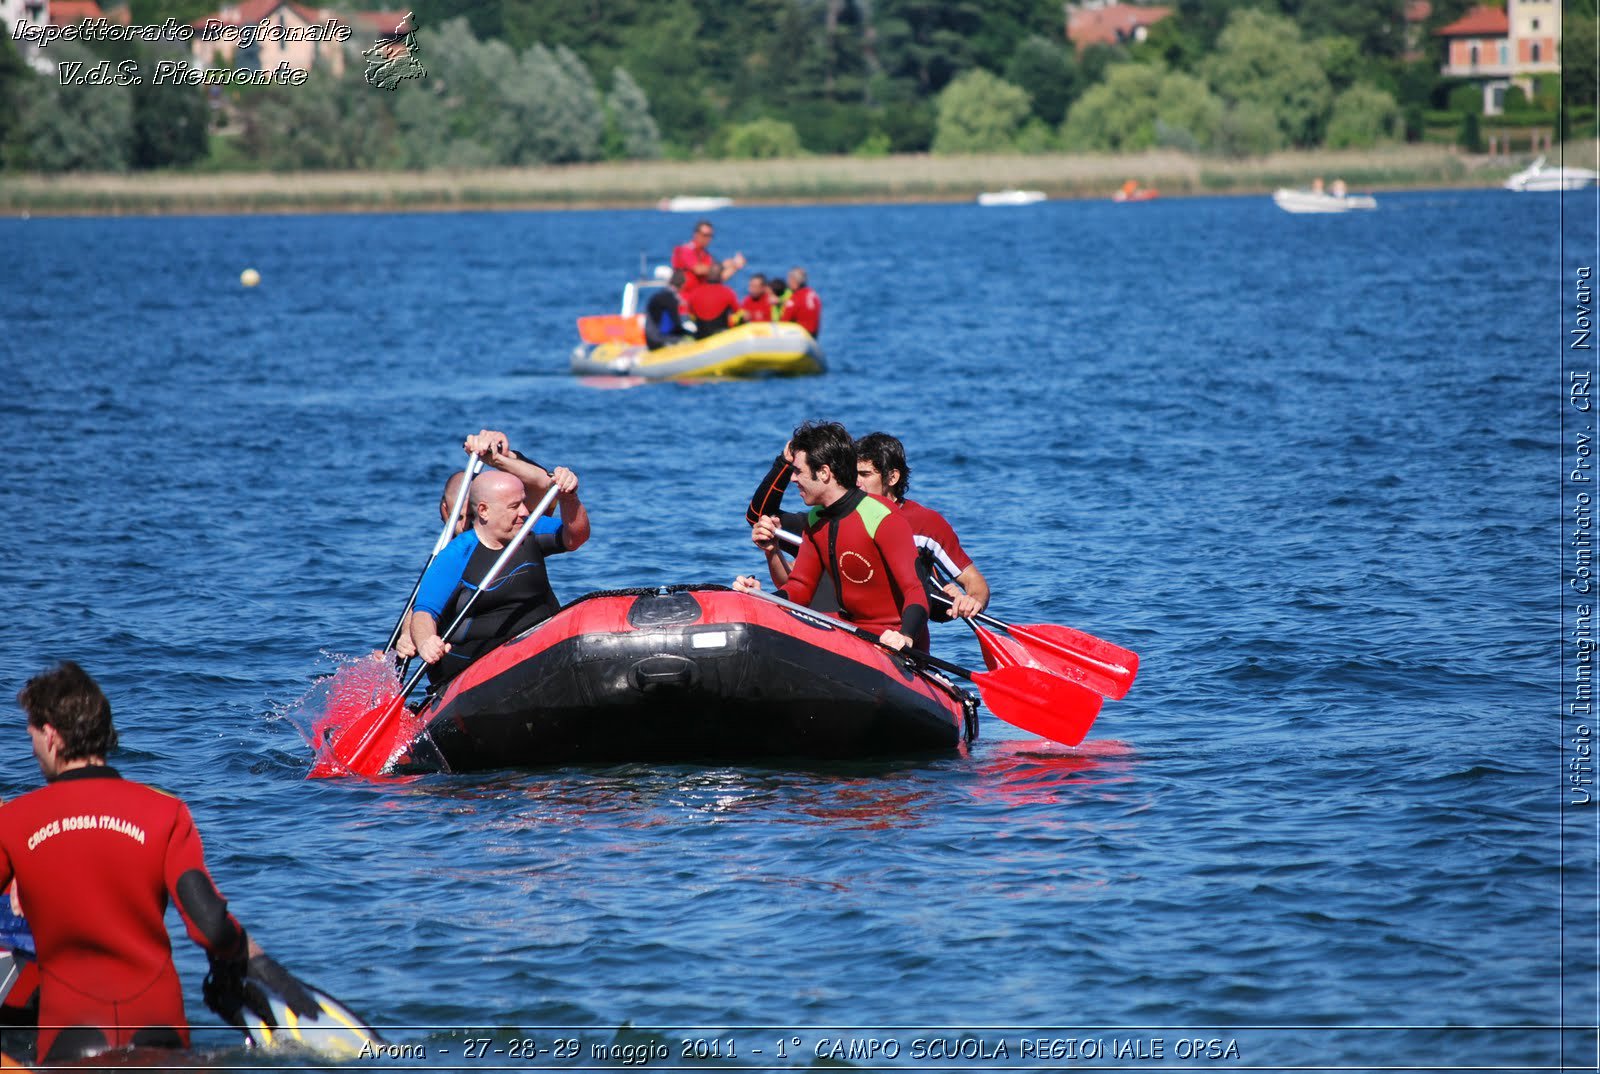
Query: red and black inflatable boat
[{"x": 685, "y": 673}]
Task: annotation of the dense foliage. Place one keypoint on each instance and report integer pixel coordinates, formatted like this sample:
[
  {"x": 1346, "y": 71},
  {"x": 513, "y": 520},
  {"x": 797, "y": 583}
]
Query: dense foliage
[{"x": 529, "y": 82}]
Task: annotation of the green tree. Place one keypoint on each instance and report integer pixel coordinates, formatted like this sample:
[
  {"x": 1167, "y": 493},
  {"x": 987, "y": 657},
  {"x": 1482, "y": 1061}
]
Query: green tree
[
  {"x": 77, "y": 127},
  {"x": 1580, "y": 64},
  {"x": 1470, "y": 137},
  {"x": 979, "y": 113},
  {"x": 667, "y": 55},
  {"x": 1140, "y": 105},
  {"x": 1377, "y": 27},
  {"x": 1047, "y": 72},
  {"x": 1117, "y": 114},
  {"x": 1247, "y": 129},
  {"x": 762, "y": 139},
  {"x": 1261, "y": 59},
  {"x": 1362, "y": 117},
  {"x": 16, "y": 80},
  {"x": 631, "y": 132},
  {"x": 928, "y": 42}
]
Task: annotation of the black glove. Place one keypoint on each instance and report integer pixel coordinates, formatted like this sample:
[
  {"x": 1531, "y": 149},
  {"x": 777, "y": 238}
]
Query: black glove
[
  {"x": 223, "y": 990},
  {"x": 267, "y": 976}
]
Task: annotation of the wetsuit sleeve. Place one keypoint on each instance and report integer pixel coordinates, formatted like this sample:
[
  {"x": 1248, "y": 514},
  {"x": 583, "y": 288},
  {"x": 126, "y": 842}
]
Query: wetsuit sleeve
[
  {"x": 443, "y": 576},
  {"x": 549, "y": 542},
  {"x": 768, "y": 497},
  {"x": 899, "y": 551},
  {"x": 203, "y": 908},
  {"x": 803, "y": 576}
]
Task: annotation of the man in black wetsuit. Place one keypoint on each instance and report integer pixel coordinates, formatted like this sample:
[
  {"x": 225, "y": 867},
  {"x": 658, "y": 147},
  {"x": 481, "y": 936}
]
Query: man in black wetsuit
[
  {"x": 663, "y": 323},
  {"x": 518, "y": 597}
]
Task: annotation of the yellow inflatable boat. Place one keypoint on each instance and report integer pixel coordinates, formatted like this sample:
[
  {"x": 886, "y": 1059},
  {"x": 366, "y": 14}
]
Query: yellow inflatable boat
[{"x": 778, "y": 349}]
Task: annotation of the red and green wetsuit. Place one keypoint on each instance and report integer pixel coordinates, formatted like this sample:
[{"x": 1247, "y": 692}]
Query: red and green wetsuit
[
  {"x": 863, "y": 545},
  {"x": 96, "y": 858}
]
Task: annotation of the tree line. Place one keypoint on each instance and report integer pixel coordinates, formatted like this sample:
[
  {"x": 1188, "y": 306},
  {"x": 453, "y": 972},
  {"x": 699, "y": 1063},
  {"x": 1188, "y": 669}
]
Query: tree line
[{"x": 530, "y": 82}]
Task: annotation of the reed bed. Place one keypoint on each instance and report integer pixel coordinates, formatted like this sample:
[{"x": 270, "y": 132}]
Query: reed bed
[{"x": 806, "y": 179}]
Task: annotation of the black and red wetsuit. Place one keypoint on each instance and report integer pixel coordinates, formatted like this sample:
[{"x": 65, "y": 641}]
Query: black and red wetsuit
[
  {"x": 940, "y": 556},
  {"x": 96, "y": 858},
  {"x": 864, "y": 544},
  {"x": 768, "y": 500}
]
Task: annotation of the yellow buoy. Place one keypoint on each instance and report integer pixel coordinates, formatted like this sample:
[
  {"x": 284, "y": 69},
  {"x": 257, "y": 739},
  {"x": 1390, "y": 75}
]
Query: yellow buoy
[{"x": 249, "y": 277}]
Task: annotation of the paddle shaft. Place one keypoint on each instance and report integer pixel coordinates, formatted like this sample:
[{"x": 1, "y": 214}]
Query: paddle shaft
[
  {"x": 1117, "y": 676},
  {"x": 438, "y": 546},
  {"x": 493, "y": 573},
  {"x": 915, "y": 655}
]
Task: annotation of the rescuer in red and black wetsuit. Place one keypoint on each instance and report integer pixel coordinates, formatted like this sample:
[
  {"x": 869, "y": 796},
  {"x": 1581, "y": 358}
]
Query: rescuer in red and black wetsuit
[
  {"x": 858, "y": 541},
  {"x": 95, "y": 858},
  {"x": 881, "y": 470}
]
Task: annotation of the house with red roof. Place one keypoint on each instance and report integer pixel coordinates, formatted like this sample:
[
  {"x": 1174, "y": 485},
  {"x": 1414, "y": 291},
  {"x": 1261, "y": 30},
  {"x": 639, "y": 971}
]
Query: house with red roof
[
  {"x": 1110, "y": 22},
  {"x": 262, "y": 34},
  {"x": 1503, "y": 47}
]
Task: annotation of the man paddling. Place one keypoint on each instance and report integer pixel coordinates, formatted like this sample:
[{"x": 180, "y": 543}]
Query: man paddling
[
  {"x": 857, "y": 540},
  {"x": 878, "y": 456},
  {"x": 96, "y": 858},
  {"x": 519, "y": 598},
  {"x": 495, "y": 449}
]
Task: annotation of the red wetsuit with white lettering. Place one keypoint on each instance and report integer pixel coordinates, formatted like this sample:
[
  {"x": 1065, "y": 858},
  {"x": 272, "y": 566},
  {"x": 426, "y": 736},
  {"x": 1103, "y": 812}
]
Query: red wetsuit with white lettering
[
  {"x": 804, "y": 308},
  {"x": 864, "y": 544},
  {"x": 96, "y": 858}
]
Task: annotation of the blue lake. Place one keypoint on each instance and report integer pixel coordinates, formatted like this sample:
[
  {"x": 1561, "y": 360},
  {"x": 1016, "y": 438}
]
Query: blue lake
[{"x": 1307, "y": 467}]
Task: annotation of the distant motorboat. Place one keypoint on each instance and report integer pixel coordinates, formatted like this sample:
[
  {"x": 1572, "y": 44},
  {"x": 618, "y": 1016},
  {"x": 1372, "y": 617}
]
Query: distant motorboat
[
  {"x": 993, "y": 198},
  {"x": 1318, "y": 201},
  {"x": 693, "y": 203},
  {"x": 1131, "y": 191},
  {"x": 1540, "y": 176}
]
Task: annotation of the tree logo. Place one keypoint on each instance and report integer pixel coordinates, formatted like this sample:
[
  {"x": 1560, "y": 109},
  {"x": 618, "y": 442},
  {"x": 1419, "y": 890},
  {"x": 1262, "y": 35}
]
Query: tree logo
[{"x": 393, "y": 57}]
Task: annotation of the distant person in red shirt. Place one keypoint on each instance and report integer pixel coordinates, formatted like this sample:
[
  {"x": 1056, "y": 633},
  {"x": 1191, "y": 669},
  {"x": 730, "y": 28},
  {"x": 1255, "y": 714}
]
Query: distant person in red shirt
[
  {"x": 757, "y": 304},
  {"x": 803, "y": 307},
  {"x": 694, "y": 258},
  {"x": 96, "y": 858},
  {"x": 713, "y": 305}
]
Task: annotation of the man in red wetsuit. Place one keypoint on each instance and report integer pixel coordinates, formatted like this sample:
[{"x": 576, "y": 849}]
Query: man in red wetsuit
[
  {"x": 882, "y": 470},
  {"x": 95, "y": 858},
  {"x": 694, "y": 258},
  {"x": 859, "y": 541},
  {"x": 803, "y": 307},
  {"x": 757, "y": 304},
  {"x": 713, "y": 305}
]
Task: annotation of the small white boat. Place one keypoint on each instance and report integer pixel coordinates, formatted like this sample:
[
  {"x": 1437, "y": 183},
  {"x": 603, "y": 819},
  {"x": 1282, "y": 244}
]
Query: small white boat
[
  {"x": 693, "y": 203},
  {"x": 1540, "y": 176},
  {"x": 994, "y": 198},
  {"x": 1317, "y": 201}
]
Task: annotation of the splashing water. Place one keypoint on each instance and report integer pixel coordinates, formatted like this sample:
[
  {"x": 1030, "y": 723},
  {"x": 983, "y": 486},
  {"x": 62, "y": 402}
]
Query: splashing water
[{"x": 357, "y": 723}]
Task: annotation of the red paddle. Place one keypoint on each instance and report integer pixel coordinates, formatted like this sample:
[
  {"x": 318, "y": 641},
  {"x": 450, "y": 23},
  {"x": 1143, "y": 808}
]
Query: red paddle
[
  {"x": 1095, "y": 663},
  {"x": 364, "y": 746},
  {"x": 1034, "y": 700}
]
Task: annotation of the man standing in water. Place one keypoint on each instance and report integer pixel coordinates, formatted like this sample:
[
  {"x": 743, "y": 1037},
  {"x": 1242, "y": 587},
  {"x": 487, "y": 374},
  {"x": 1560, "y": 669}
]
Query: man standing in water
[
  {"x": 857, "y": 540},
  {"x": 95, "y": 858}
]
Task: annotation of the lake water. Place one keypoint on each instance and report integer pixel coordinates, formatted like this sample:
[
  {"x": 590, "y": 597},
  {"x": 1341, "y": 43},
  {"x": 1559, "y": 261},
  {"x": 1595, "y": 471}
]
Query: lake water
[{"x": 1309, "y": 468}]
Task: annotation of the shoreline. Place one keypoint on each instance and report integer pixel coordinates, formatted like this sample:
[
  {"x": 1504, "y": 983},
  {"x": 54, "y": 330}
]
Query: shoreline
[{"x": 909, "y": 178}]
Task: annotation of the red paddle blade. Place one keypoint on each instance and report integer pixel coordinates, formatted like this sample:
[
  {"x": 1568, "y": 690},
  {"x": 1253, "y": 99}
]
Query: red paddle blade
[
  {"x": 365, "y": 723},
  {"x": 1000, "y": 651},
  {"x": 1037, "y": 701},
  {"x": 1105, "y": 668}
]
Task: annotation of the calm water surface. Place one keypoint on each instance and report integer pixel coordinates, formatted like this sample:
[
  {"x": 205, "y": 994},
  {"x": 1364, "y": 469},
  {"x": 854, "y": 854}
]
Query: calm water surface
[{"x": 1307, "y": 467}]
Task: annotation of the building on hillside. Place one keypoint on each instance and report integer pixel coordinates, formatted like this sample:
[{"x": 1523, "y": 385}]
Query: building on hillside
[
  {"x": 262, "y": 34},
  {"x": 1500, "y": 48},
  {"x": 1110, "y": 22}
]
